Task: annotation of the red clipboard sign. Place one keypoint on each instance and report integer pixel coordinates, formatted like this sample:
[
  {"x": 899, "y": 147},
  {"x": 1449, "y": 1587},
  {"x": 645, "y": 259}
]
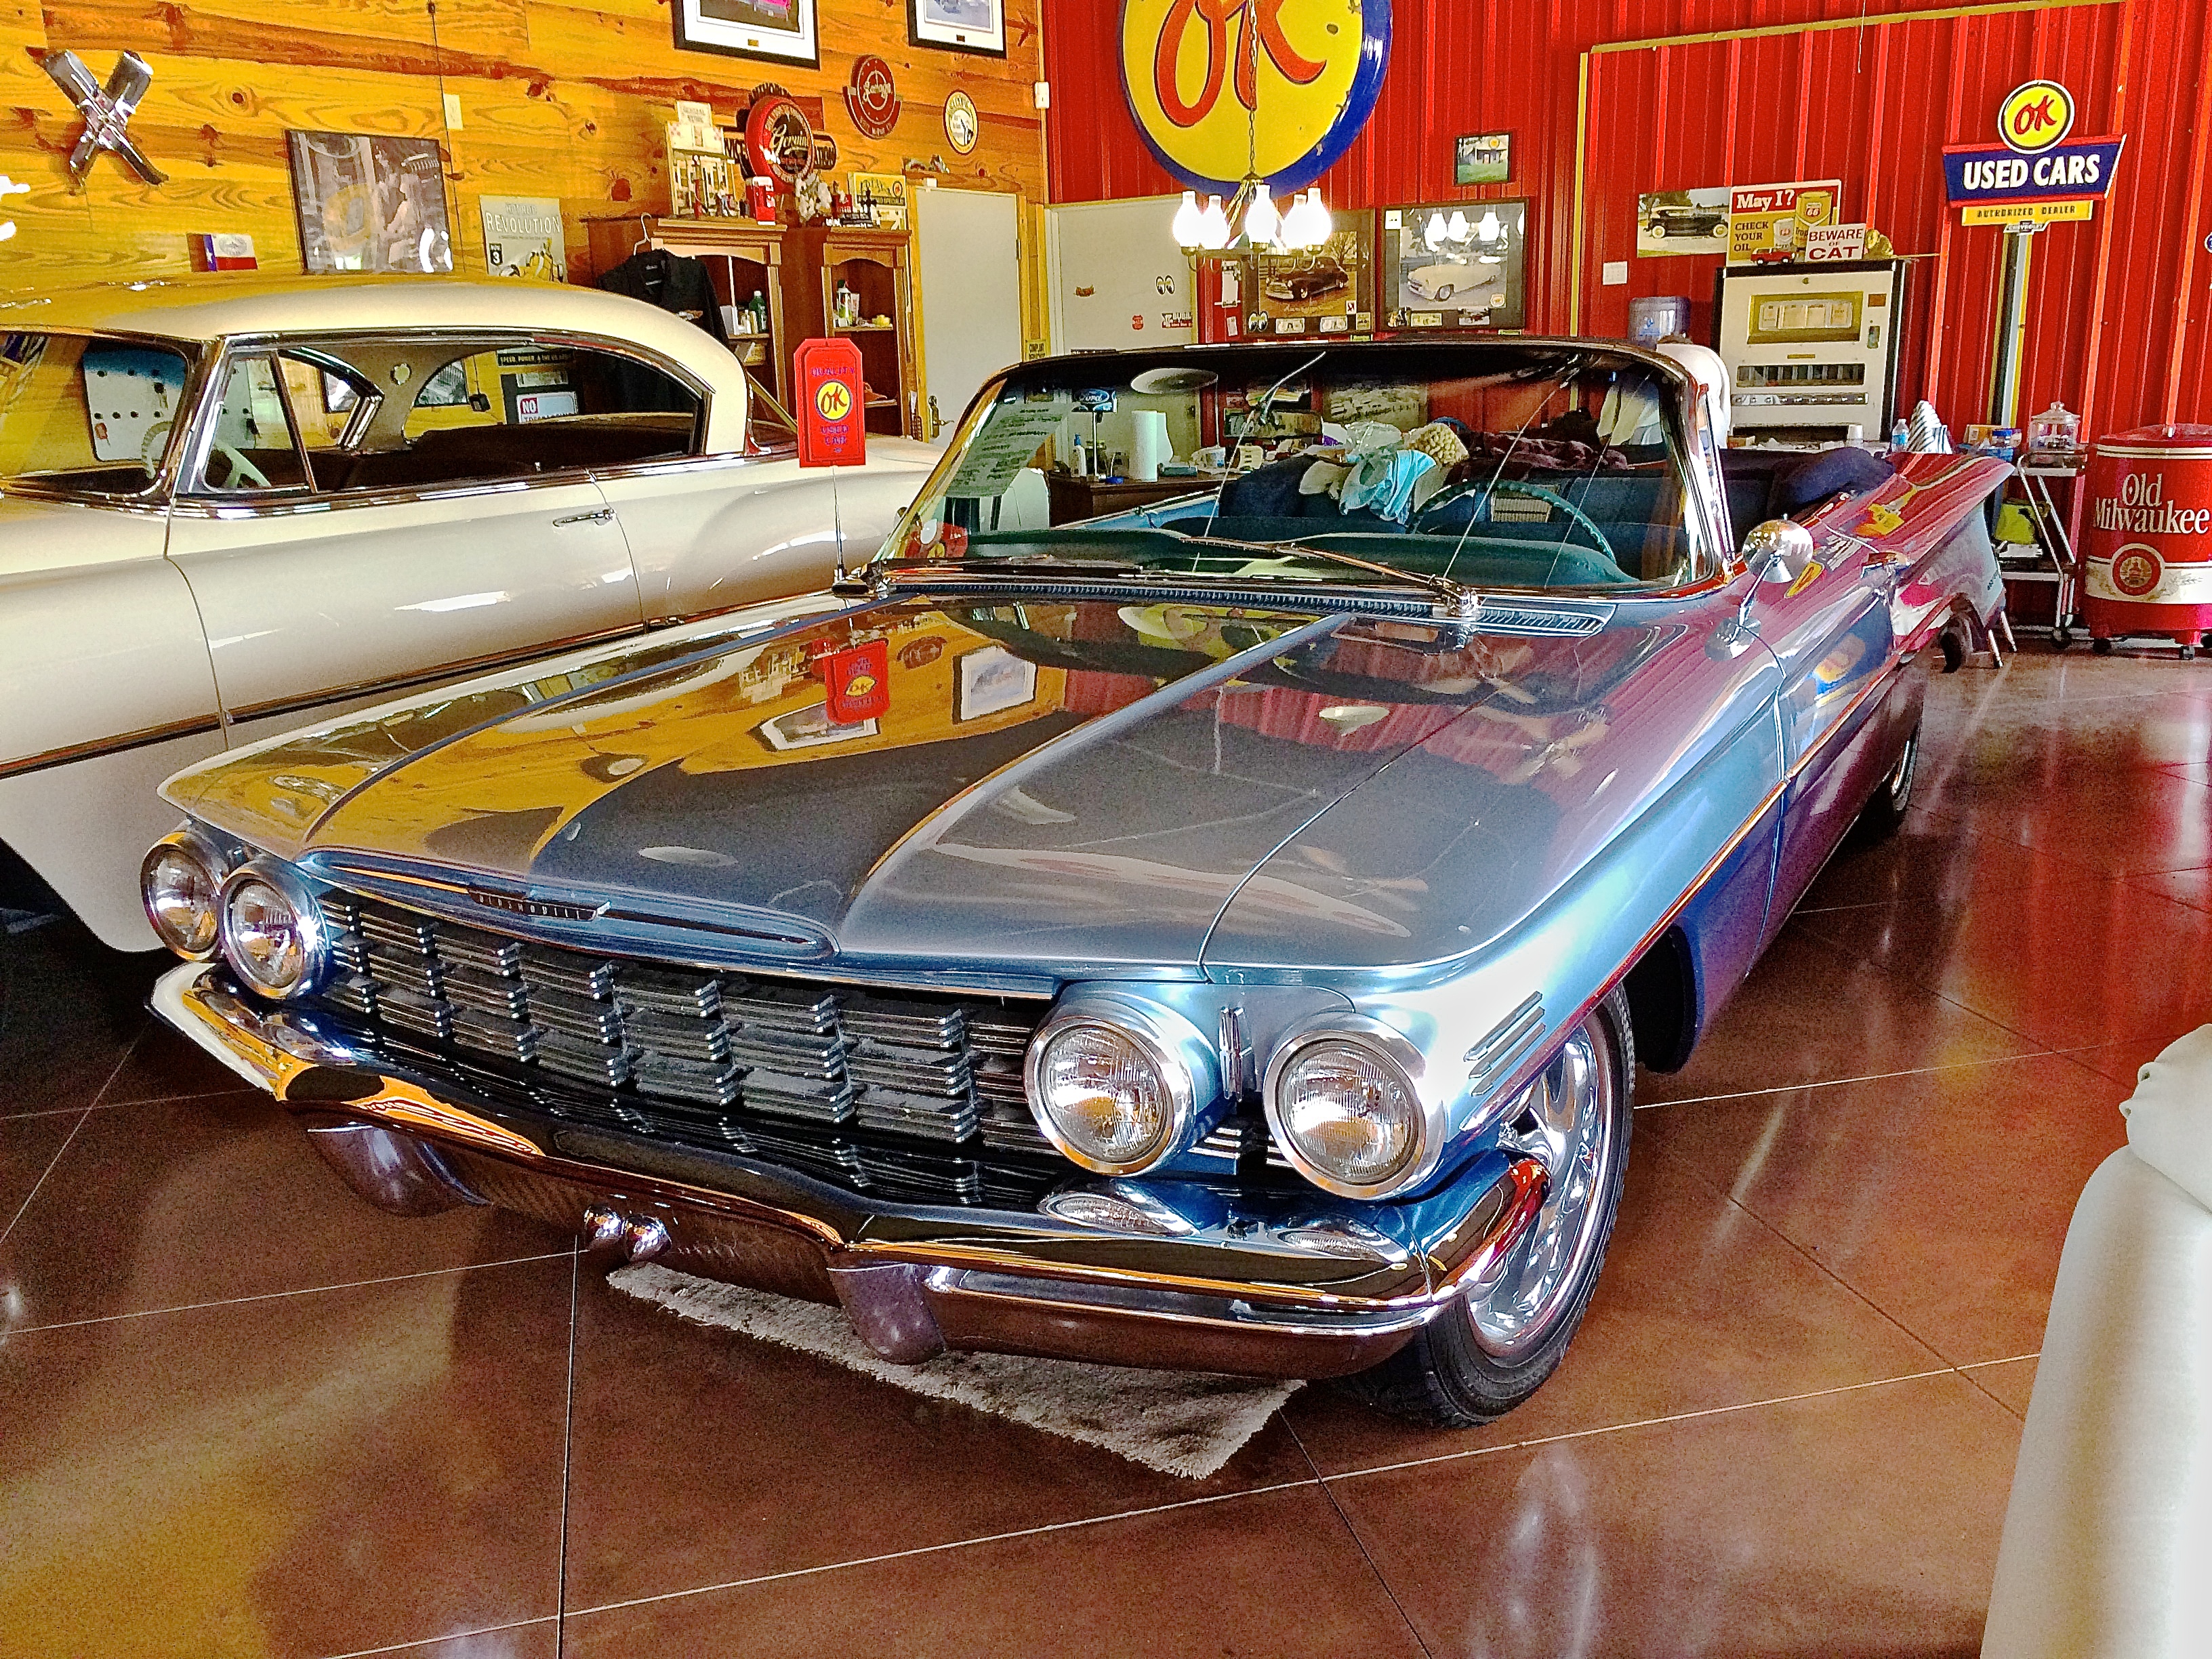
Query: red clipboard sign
[{"x": 832, "y": 416}]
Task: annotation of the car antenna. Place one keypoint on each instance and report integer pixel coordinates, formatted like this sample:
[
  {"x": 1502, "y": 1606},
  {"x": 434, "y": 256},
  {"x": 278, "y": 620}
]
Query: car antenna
[{"x": 1253, "y": 409}]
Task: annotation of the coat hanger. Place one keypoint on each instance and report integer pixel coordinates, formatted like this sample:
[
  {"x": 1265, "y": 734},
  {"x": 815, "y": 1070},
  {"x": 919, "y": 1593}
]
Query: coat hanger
[{"x": 645, "y": 224}]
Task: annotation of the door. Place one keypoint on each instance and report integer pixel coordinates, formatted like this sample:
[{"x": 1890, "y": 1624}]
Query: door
[
  {"x": 366, "y": 517},
  {"x": 1839, "y": 671},
  {"x": 971, "y": 293}
]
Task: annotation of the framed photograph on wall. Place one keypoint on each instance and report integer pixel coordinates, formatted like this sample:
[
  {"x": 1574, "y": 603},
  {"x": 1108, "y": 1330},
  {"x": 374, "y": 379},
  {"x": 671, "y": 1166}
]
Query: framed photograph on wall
[
  {"x": 779, "y": 31},
  {"x": 958, "y": 25},
  {"x": 1482, "y": 158},
  {"x": 1453, "y": 265},
  {"x": 370, "y": 204}
]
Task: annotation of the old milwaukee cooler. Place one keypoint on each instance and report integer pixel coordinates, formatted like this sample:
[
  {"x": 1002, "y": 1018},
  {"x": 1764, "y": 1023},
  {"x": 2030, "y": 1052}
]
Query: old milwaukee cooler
[{"x": 2149, "y": 545}]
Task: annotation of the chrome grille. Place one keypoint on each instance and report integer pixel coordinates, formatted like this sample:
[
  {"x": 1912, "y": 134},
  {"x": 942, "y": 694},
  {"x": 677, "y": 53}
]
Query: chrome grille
[{"x": 714, "y": 1058}]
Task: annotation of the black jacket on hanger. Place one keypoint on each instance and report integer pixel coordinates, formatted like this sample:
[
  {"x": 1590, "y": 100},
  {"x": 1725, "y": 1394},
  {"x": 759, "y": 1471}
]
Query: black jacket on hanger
[{"x": 673, "y": 282}]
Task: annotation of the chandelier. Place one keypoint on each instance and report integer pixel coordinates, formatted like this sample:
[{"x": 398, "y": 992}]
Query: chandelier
[{"x": 1252, "y": 215}]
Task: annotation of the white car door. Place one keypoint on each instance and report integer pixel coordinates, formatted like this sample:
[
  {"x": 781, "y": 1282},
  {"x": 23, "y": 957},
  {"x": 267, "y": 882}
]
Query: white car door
[
  {"x": 712, "y": 532},
  {"x": 365, "y": 517}
]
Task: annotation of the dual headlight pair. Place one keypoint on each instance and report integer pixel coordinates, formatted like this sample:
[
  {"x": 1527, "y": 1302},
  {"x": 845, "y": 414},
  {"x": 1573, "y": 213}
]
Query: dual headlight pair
[
  {"x": 1114, "y": 1083},
  {"x": 266, "y": 925}
]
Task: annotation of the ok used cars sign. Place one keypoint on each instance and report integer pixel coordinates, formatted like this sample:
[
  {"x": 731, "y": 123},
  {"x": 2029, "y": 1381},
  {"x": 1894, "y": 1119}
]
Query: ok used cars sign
[{"x": 2035, "y": 161}]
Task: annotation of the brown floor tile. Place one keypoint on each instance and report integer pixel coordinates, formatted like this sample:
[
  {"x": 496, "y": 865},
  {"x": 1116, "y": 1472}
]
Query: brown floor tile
[
  {"x": 1856, "y": 1523},
  {"x": 2117, "y": 823},
  {"x": 1810, "y": 1011},
  {"x": 2191, "y": 887},
  {"x": 172, "y": 1204},
  {"x": 1942, "y": 1197},
  {"x": 164, "y": 1066},
  {"x": 70, "y": 1010},
  {"x": 2062, "y": 956},
  {"x": 310, "y": 1474},
  {"x": 1701, "y": 1304},
  {"x": 540, "y": 1639},
  {"x": 2012, "y": 1380},
  {"x": 1275, "y": 1575},
  {"x": 27, "y": 1146},
  {"x": 689, "y": 1481},
  {"x": 2121, "y": 1061}
]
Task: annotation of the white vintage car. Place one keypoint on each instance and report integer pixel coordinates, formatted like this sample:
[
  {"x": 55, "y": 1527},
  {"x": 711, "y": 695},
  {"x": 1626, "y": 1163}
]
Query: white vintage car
[{"x": 231, "y": 505}]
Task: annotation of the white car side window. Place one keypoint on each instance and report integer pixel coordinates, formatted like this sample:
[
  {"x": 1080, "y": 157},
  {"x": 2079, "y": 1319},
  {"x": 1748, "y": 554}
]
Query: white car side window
[{"x": 252, "y": 448}]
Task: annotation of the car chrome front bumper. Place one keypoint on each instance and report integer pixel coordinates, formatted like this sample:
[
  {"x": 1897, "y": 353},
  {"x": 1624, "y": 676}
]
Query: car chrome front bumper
[{"x": 1239, "y": 1296}]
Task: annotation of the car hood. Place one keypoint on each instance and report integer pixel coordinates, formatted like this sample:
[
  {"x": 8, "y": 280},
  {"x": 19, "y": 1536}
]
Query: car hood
[{"x": 1024, "y": 783}]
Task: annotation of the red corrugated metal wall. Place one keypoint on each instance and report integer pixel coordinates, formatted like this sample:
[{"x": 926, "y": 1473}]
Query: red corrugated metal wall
[{"x": 2118, "y": 307}]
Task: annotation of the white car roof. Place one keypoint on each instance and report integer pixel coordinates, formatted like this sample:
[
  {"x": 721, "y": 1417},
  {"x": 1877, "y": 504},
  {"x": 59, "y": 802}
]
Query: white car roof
[{"x": 216, "y": 305}]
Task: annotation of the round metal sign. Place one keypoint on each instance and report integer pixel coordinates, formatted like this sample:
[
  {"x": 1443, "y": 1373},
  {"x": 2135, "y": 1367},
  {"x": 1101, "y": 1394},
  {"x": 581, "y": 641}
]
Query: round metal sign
[
  {"x": 2035, "y": 116},
  {"x": 1281, "y": 87},
  {"x": 871, "y": 99},
  {"x": 962, "y": 126}
]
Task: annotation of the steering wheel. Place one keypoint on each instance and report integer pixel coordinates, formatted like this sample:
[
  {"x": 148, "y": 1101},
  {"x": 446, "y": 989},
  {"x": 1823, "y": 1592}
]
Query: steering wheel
[
  {"x": 241, "y": 468},
  {"x": 1519, "y": 487}
]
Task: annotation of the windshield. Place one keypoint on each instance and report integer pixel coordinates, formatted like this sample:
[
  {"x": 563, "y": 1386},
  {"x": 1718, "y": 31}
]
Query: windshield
[
  {"x": 1513, "y": 464},
  {"x": 88, "y": 412}
]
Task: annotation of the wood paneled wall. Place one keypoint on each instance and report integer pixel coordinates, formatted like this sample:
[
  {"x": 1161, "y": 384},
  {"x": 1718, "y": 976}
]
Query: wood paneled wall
[{"x": 559, "y": 98}]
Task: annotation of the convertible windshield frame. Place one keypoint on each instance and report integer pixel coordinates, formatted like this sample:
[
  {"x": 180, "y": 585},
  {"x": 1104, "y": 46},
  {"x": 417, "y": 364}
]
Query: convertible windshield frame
[
  {"x": 1678, "y": 542},
  {"x": 58, "y": 485}
]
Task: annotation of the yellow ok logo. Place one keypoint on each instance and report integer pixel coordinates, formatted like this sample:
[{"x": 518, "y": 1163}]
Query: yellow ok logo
[{"x": 835, "y": 400}]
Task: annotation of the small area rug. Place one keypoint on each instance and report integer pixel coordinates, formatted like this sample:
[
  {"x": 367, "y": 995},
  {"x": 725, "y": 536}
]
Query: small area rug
[{"x": 1182, "y": 1423}]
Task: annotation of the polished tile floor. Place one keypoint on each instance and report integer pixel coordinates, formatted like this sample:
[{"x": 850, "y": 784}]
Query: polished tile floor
[{"x": 241, "y": 1413}]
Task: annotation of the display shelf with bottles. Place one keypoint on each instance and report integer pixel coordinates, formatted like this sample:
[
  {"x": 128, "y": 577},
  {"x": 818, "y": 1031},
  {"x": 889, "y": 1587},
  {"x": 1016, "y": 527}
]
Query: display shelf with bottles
[
  {"x": 745, "y": 262},
  {"x": 863, "y": 292}
]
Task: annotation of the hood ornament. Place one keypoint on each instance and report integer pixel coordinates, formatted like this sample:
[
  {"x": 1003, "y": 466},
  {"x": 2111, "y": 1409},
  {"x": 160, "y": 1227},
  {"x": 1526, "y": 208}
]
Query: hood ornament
[{"x": 107, "y": 111}]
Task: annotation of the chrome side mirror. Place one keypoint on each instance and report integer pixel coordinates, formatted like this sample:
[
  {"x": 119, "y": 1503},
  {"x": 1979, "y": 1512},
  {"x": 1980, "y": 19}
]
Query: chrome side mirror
[{"x": 1778, "y": 551}]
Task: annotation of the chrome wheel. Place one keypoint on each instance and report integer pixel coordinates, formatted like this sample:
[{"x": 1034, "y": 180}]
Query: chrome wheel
[{"x": 1570, "y": 1129}]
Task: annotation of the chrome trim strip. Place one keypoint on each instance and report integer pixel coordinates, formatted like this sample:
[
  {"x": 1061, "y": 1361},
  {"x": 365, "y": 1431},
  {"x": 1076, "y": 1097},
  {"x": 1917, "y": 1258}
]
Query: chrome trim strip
[
  {"x": 455, "y": 671},
  {"x": 144, "y": 738}
]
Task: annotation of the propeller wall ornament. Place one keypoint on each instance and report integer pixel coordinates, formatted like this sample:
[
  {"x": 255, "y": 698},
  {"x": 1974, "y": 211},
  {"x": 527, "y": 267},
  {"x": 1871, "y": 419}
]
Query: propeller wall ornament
[{"x": 107, "y": 111}]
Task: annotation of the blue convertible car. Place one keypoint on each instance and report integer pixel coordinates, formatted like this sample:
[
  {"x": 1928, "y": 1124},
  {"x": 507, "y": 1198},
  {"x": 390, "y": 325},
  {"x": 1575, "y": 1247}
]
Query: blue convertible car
[{"x": 1221, "y": 935}]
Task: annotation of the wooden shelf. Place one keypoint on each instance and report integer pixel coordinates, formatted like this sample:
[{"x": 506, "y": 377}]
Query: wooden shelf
[{"x": 868, "y": 328}]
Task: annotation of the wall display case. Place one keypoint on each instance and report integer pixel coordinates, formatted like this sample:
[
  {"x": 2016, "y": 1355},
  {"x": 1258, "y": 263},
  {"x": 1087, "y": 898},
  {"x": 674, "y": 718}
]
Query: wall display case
[
  {"x": 1811, "y": 349},
  {"x": 860, "y": 288},
  {"x": 1453, "y": 265},
  {"x": 745, "y": 261},
  {"x": 1327, "y": 290}
]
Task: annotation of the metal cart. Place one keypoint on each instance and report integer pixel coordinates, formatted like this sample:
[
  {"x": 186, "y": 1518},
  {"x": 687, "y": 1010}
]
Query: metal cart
[{"x": 2036, "y": 475}]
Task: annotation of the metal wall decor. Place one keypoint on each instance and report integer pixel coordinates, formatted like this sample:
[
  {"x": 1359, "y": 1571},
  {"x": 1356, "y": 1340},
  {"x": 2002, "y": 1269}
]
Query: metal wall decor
[
  {"x": 780, "y": 31},
  {"x": 962, "y": 126},
  {"x": 871, "y": 97},
  {"x": 978, "y": 26},
  {"x": 107, "y": 111}
]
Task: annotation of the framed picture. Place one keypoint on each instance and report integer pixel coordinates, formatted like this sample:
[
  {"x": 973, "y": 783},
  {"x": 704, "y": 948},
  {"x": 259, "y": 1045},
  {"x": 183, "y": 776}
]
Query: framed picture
[
  {"x": 992, "y": 681},
  {"x": 810, "y": 728},
  {"x": 1453, "y": 265},
  {"x": 779, "y": 31},
  {"x": 958, "y": 25},
  {"x": 1482, "y": 158},
  {"x": 370, "y": 204}
]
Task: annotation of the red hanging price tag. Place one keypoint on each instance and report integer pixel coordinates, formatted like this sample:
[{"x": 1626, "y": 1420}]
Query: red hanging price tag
[{"x": 832, "y": 415}]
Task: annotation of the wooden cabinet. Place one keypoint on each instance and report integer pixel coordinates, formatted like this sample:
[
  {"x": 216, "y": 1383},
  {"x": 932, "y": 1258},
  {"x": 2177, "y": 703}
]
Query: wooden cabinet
[
  {"x": 742, "y": 260},
  {"x": 876, "y": 266}
]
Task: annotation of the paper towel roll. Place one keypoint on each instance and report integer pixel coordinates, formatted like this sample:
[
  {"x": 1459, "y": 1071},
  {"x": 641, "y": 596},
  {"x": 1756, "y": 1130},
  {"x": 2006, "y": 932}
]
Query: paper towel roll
[{"x": 1148, "y": 444}]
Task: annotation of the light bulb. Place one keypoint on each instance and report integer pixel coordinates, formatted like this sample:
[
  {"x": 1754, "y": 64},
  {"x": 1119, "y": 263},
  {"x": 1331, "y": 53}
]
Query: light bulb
[
  {"x": 1489, "y": 228},
  {"x": 1262, "y": 220},
  {"x": 1458, "y": 226},
  {"x": 1434, "y": 235},
  {"x": 1189, "y": 222},
  {"x": 1297, "y": 223},
  {"x": 1214, "y": 230},
  {"x": 1323, "y": 226}
]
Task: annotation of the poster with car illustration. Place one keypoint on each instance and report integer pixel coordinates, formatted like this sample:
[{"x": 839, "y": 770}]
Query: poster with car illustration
[
  {"x": 1455, "y": 264},
  {"x": 1677, "y": 222},
  {"x": 1319, "y": 290}
]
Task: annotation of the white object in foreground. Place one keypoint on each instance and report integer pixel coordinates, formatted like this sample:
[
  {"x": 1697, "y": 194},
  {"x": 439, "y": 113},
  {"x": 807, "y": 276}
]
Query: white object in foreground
[{"x": 2107, "y": 1545}]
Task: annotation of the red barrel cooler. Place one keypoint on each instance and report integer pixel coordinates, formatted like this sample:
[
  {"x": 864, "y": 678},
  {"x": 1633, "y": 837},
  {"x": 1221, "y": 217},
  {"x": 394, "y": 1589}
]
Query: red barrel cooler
[{"x": 2147, "y": 543}]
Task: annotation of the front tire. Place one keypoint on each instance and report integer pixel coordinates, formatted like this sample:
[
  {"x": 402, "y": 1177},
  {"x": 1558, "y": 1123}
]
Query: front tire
[{"x": 1498, "y": 1343}]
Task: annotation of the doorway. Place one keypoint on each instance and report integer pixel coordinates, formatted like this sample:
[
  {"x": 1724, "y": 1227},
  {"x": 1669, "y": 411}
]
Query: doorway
[{"x": 969, "y": 249}]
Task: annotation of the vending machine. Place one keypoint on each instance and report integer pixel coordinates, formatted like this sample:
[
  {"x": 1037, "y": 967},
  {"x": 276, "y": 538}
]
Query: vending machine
[{"x": 1811, "y": 347}]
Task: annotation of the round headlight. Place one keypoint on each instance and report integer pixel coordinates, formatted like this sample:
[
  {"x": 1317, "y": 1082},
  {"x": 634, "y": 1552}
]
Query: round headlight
[
  {"x": 181, "y": 884},
  {"x": 1109, "y": 1097},
  {"x": 272, "y": 938},
  {"x": 1347, "y": 1112}
]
